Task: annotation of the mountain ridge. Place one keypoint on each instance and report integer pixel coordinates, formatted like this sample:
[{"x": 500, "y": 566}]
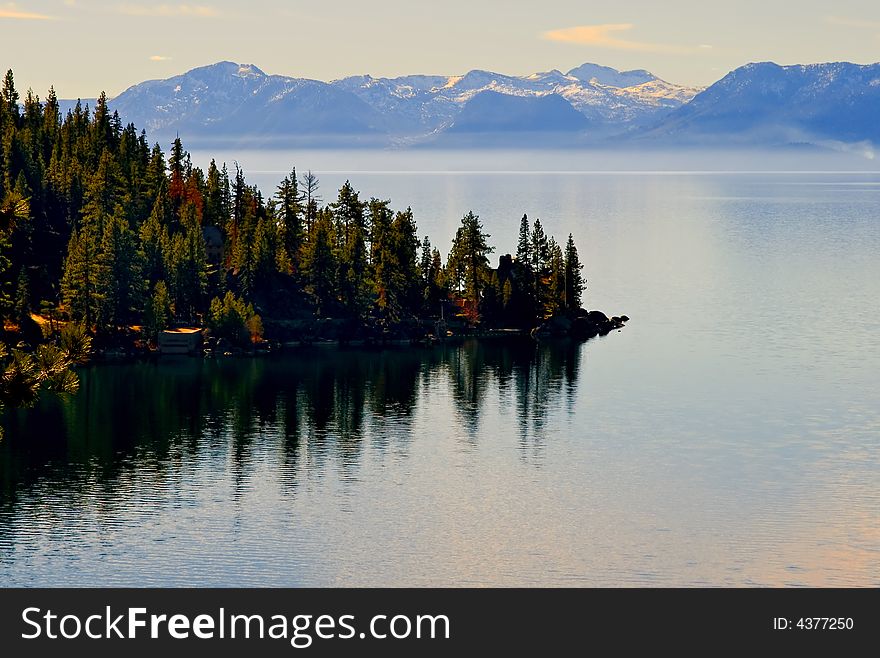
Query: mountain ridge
[
  {"x": 759, "y": 103},
  {"x": 228, "y": 98}
]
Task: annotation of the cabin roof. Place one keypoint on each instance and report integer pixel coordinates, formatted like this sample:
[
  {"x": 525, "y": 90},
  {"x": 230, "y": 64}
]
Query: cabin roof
[{"x": 182, "y": 330}]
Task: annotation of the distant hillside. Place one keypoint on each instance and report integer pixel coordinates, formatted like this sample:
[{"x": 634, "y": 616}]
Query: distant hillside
[
  {"x": 490, "y": 111},
  {"x": 229, "y": 99},
  {"x": 770, "y": 104}
]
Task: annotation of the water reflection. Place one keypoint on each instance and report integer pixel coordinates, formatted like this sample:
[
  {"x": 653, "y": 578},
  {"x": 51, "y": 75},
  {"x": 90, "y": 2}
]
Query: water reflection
[{"x": 307, "y": 408}]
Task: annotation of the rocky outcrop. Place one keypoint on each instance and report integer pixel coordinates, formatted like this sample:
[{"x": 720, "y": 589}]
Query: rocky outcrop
[{"x": 579, "y": 324}]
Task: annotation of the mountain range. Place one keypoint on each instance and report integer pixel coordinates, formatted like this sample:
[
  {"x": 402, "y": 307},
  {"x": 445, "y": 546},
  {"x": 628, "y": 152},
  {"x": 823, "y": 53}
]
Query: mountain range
[
  {"x": 767, "y": 103},
  {"x": 228, "y": 100},
  {"x": 764, "y": 103}
]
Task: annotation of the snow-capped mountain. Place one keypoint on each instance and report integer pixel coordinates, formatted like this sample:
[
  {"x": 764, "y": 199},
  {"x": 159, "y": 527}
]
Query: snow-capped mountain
[
  {"x": 612, "y": 100},
  {"x": 772, "y": 104},
  {"x": 229, "y": 100},
  {"x": 610, "y": 77}
]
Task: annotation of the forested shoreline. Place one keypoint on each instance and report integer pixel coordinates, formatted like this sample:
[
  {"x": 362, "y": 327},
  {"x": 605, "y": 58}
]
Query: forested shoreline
[{"x": 102, "y": 231}]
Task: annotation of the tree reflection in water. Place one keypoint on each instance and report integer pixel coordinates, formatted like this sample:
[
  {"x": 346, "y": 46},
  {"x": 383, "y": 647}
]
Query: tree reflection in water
[{"x": 310, "y": 407}]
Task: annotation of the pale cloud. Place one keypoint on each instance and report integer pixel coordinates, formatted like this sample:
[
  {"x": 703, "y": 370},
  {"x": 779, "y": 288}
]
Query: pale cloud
[
  {"x": 852, "y": 22},
  {"x": 160, "y": 58},
  {"x": 603, "y": 36},
  {"x": 12, "y": 11},
  {"x": 196, "y": 11}
]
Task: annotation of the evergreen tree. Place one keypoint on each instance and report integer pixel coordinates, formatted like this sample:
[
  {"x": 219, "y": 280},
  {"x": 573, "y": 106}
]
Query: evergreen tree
[
  {"x": 176, "y": 182},
  {"x": 429, "y": 272},
  {"x": 84, "y": 273},
  {"x": 122, "y": 290},
  {"x": 406, "y": 246},
  {"x": 187, "y": 267},
  {"x": 352, "y": 266},
  {"x": 102, "y": 129},
  {"x": 425, "y": 261},
  {"x": 469, "y": 257},
  {"x": 556, "y": 283},
  {"x": 263, "y": 252},
  {"x": 157, "y": 313},
  {"x": 155, "y": 240},
  {"x": 540, "y": 251},
  {"x": 104, "y": 192},
  {"x": 382, "y": 255},
  {"x": 319, "y": 262},
  {"x": 290, "y": 220},
  {"x": 9, "y": 97},
  {"x": 14, "y": 210},
  {"x": 216, "y": 212},
  {"x": 310, "y": 185},
  {"x": 234, "y": 319},
  {"x": 524, "y": 244},
  {"x": 154, "y": 178},
  {"x": 575, "y": 283}
]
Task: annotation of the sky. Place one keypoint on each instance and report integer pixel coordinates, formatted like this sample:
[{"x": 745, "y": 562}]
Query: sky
[{"x": 85, "y": 46}]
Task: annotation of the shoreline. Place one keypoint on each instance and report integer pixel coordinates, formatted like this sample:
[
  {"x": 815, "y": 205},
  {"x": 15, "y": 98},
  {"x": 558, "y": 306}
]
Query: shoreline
[{"x": 580, "y": 327}]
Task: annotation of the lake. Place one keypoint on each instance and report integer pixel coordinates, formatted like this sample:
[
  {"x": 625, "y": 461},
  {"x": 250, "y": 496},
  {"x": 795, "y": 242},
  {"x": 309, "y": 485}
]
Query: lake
[{"x": 728, "y": 436}]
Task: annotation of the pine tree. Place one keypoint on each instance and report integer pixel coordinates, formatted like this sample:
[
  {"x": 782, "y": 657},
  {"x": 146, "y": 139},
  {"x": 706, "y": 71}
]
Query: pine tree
[
  {"x": 319, "y": 262},
  {"x": 540, "y": 251},
  {"x": 187, "y": 266},
  {"x": 575, "y": 283},
  {"x": 406, "y": 246},
  {"x": 104, "y": 191},
  {"x": 9, "y": 97},
  {"x": 263, "y": 250},
  {"x": 310, "y": 186},
  {"x": 290, "y": 220},
  {"x": 155, "y": 240},
  {"x": 425, "y": 261},
  {"x": 348, "y": 212},
  {"x": 102, "y": 129},
  {"x": 157, "y": 313},
  {"x": 176, "y": 182},
  {"x": 427, "y": 276},
  {"x": 122, "y": 291},
  {"x": 155, "y": 178},
  {"x": 382, "y": 253},
  {"x": 216, "y": 212},
  {"x": 83, "y": 274},
  {"x": 556, "y": 285},
  {"x": 468, "y": 258},
  {"x": 524, "y": 244},
  {"x": 352, "y": 263}
]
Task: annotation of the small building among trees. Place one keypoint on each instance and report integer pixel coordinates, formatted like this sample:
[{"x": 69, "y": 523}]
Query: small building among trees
[{"x": 180, "y": 341}]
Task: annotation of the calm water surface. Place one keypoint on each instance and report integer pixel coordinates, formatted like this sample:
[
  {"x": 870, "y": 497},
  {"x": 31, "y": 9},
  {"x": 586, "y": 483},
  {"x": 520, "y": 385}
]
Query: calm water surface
[{"x": 730, "y": 435}]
